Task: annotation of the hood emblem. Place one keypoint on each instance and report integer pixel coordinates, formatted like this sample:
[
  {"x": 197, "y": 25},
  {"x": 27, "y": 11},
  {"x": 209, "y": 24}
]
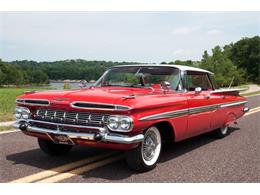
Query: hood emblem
[{"x": 61, "y": 99}]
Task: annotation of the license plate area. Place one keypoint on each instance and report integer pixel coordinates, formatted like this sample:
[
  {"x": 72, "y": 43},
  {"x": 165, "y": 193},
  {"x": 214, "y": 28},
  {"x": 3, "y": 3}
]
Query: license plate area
[{"x": 60, "y": 139}]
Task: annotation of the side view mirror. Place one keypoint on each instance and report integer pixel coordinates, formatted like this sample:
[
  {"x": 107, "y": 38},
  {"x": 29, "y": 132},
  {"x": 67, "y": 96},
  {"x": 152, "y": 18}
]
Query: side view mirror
[
  {"x": 198, "y": 90},
  {"x": 83, "y": 84},
  {"x": 166, "y": 85}
]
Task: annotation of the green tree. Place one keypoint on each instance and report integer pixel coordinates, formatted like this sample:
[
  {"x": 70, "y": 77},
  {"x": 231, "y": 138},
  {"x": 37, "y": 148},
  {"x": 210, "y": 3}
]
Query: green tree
[
  {"x": 163, "y": 62},
  {"x": 246, "y": 55},
  {"x": 10, "y": 75},
  {"x": 185, "y": 62},
  {"x": 224, "y": 69},
  {"x": 2, "y": 74},
  {"x": 37, "y": 77}
]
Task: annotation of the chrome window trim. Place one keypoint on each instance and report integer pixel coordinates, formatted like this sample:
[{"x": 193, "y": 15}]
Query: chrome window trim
[
  {"x": 33, "y": 104},
  {"x": 190, "y": 111},
  {"x": 116, "y": 106}
]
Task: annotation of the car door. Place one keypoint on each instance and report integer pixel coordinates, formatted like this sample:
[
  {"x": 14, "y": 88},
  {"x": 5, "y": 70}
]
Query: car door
[
  {"x": 218, "y": 115},
  {"x": 200, "y": 103}
]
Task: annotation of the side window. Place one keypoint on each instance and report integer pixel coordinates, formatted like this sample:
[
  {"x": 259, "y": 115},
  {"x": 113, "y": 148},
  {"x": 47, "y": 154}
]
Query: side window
[{"x": 197, "y": 79}]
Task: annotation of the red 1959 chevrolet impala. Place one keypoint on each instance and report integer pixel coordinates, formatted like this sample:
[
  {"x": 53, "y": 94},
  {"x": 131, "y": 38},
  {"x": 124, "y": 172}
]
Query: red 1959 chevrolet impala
[{"x": 132, "y": 108}]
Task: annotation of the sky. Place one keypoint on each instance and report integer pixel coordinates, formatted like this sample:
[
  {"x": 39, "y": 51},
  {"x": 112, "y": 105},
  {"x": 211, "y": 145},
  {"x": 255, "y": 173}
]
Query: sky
[{"x": 146, "y": 37}]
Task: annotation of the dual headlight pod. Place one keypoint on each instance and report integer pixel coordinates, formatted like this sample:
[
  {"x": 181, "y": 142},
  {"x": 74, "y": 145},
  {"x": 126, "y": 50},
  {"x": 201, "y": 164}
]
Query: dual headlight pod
[
  {"x": 120, "y": 123},
  {"x": 22, "y": 113}
]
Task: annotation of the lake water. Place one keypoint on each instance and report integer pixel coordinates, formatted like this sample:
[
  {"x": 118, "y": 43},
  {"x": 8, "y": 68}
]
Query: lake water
[
  {"x": 60, "y": 85},
  {"x": 73, "y": 85}
]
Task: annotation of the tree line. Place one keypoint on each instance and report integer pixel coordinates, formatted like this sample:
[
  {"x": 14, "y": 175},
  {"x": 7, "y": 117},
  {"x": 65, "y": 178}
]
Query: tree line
[
  {"x": 237, "y": 62},
  {"x": 31, "y": 72}
]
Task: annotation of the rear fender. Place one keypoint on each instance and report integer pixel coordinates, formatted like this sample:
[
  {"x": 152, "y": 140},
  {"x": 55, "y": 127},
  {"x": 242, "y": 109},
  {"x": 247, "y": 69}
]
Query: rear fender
[{"x": 231, "y": 118}]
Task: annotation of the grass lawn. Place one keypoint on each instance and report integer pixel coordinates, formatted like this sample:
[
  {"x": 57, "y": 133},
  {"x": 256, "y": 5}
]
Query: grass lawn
[
  {"x": 5, "y": 128},
  {"x": 241, "y": 87},
  {"x": 252, "y": 93},
  {"x": 7, "y": 101}
]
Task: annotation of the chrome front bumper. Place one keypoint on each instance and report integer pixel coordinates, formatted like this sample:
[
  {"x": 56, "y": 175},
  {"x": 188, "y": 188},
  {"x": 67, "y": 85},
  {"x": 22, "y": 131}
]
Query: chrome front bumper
[{"x": 102, "y": 136}]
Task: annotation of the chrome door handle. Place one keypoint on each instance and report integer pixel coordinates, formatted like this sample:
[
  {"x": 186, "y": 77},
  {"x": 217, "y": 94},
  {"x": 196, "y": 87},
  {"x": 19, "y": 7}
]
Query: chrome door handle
[{"x": 206, "y": 96}]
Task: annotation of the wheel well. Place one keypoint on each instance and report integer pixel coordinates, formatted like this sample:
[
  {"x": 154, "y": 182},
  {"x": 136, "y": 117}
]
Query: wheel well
[{"x": 166, "y": 130}]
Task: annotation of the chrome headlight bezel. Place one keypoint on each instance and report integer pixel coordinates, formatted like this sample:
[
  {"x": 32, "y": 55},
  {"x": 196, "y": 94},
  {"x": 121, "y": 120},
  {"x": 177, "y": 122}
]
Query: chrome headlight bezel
[
  {"x": 121, "y": 123},
  {"x": 22, "y": 113}
]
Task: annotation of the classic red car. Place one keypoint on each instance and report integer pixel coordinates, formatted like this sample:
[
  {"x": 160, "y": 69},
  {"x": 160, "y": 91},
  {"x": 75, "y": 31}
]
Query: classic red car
[{"x": 132, "y": 108}]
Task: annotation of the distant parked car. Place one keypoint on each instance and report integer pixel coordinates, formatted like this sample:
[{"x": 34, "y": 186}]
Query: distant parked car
[{"x": 132, "y": 108}]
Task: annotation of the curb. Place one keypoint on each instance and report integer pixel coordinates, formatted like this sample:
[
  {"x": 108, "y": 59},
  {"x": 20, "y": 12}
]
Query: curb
[{"x": 8, "y": 123}]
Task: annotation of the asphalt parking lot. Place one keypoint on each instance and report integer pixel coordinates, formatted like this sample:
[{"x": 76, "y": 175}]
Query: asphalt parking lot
[{"x": 236, "y": 158}]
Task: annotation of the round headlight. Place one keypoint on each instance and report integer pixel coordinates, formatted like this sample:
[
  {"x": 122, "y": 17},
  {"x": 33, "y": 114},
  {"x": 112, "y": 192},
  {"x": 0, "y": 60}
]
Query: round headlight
[
  {"x": 113, "y": 123},
  {"x": 125, "y": 123},
  {"x": 18, "y": 113},
  {"x": 119, "y": 123},
  {"x": 25, "y": 115},
  {"x": 22, "y": 113}
]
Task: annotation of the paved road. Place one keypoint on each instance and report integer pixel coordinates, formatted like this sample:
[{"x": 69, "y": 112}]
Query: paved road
[
  {"x": 252, "y": 88},
  {"x": 235, "y": 158}
]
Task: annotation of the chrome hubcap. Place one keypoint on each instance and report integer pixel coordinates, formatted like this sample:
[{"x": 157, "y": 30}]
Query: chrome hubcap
[{"x": 149, "y": 146}]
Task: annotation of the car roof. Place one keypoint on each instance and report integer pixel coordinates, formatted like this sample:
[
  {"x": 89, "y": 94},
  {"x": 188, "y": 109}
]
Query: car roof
[{"x": 180, "y": 67}]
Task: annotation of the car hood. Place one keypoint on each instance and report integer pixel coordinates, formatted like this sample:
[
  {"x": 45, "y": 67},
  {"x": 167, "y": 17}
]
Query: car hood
[
  {"x": 109, "y": 95},
  {"x": 130, "y": 97}
]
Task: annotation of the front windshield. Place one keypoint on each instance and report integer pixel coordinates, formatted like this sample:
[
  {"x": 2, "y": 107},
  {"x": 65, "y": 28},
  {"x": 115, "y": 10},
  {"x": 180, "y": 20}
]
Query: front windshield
[{"x": 136, "y": 76}]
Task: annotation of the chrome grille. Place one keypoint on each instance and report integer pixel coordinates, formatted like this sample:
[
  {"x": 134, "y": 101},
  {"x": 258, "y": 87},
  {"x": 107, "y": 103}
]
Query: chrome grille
[{"x": 69, "y": 117}]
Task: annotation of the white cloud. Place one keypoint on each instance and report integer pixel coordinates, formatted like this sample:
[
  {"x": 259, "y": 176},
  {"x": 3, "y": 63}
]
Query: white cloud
[
  {"x": 11, "y": 47},
  {"x": 185, "y": 30},
  {"x": 178, "y": 51},
  {"x": 120, "y": 36},
  {"x": 214, "y": 32}
]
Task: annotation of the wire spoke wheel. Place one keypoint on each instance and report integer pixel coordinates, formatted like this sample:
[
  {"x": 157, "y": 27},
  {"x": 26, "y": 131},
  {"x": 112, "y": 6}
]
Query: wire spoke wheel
[
  {"x": 144, "y": 157},
  {"x": 151, "y": 146}
]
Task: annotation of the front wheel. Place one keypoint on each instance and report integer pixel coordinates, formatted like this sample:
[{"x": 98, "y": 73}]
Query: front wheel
[
  {"x": 53, "y": 149},
  {"x": 145, "y": 156}
]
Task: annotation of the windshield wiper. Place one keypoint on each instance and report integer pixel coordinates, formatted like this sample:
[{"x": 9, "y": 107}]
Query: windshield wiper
[
  {"x": 108, "y": 85},
  {"x": 137, "y": 86}
]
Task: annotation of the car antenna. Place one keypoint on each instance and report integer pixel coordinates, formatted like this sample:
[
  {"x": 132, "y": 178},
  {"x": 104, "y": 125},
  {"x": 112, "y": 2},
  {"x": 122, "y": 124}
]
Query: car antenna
[{"x": 231, "y": 82}]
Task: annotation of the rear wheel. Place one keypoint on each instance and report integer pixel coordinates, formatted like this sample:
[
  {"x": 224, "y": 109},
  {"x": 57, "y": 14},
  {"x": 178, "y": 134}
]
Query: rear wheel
[
  {"x": 53, "y": 149},
  {"x": 221, "y": 132},
  {"x": 145, "y": 156}
]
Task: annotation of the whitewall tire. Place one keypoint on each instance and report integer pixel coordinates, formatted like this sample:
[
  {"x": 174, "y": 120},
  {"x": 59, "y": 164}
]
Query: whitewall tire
[{"x": 145, "y": 156}]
